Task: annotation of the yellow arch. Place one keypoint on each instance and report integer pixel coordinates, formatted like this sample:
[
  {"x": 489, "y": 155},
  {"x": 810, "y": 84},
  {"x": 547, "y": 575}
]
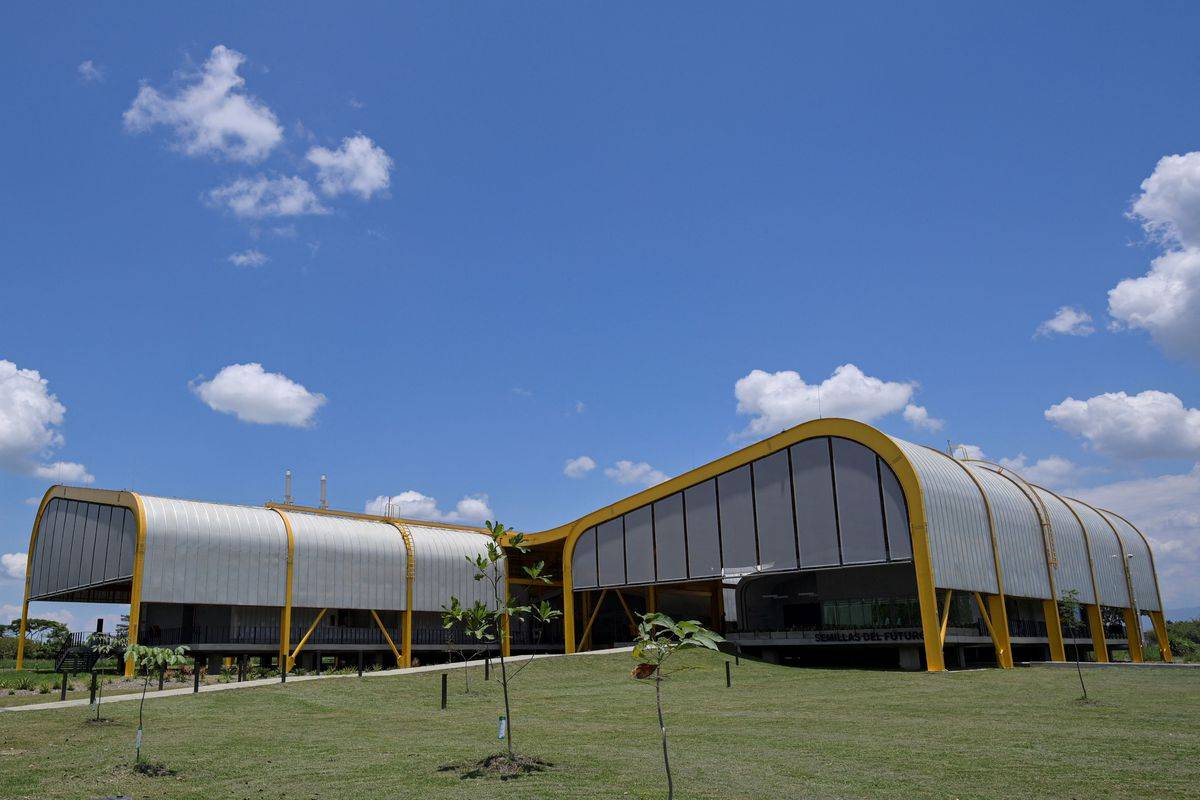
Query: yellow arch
[
  {"x": 1133, "y": 638},
  {"x": 1160, "y": 625},
  {"x": 1095, "y": 621},
  {"x": 37, "y": 525},
  {"x": 996, "y": 612},
  {"x": 406, "y": 644},
  {"x": 285, "y": 618},
  {"x": 843, "y": 428}
]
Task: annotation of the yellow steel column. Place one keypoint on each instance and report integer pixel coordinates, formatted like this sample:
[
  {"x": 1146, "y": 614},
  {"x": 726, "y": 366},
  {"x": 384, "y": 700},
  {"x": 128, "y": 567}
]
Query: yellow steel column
[
  {"x": 1132, "y": 623},
  {"x": 1096, "y": 625},
  {"x": 291, "y": 660},
  {"x": 1058, "y": 651},
  {"x": 135, "y": 594},
  {"x": 387, "y": 637},
  {"x": 285, "y": 617},
  {"x": 33, "y": 537},
  {"x": 651, "y": 600},
  {"x": 1160, "y": 633},
  {"x": 410, "y": 548}
]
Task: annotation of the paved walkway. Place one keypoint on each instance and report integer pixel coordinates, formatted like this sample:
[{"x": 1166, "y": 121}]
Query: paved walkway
[
  {"x": 222, "y": 687},
  {"x": 1110, "y": 665}
]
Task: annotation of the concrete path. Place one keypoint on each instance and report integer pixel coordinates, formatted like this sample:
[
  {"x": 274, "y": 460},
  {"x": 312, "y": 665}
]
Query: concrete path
[
  {"x": 222, "y": 687},
  {"x": 1110, "y": 665}
]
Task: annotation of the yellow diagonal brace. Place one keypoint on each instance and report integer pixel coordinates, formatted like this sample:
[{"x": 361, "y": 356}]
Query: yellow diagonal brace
[
  {"x": 588, "y": 628},
  {"x": 628, "y": 613},
  {"x": 946, "y": 615},
  {"x": 391, "y": 644},
  {"x": 291, "y": 661}
]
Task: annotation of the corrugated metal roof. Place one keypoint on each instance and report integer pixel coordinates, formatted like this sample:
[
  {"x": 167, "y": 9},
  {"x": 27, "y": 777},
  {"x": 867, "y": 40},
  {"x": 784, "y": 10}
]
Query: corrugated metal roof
[
  {"x": 960, "y": 541},
  {"x": 210, "y": 553},
  {"x": 442, "y": 569},
  {"x": 1141, "y": 566},
  {"x": 1019, "y": 539},
  {"x": 1107, "y": 556}
]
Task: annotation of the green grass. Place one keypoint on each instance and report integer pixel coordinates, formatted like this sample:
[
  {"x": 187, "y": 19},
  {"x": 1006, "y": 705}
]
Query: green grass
[{"x": 778, "y": 733}]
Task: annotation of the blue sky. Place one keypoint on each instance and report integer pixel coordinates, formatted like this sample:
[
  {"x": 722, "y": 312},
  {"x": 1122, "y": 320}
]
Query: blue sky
[{"x": 466, "y": 244}]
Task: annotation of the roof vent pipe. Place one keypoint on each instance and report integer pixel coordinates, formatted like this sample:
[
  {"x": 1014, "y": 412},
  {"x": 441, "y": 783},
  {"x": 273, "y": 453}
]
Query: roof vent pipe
[
  {"x": 287, "y": 487},
  {"x": 324, "y": 496}
]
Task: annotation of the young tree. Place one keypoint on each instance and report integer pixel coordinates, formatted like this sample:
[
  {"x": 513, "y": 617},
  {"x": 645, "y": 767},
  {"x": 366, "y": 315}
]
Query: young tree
[
  {"x": 455, "y": 649},
  {"x": 1069, "y": 614},
  {"x": 150, "y": 660},
  {"x": 106, "y": 646},
  {"x": 486, "y": 623},
  {"x": 659, "y": 638}
]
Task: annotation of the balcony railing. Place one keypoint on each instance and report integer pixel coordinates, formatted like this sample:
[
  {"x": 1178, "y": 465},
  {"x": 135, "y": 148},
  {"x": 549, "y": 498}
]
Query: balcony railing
[{"x": 523, "y": 635}]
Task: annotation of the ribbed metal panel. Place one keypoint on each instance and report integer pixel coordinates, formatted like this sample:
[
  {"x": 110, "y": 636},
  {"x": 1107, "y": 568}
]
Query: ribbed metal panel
[
  {"x": 1018, "y": 536},
  {"x": 959, "y": 541},
  {"x": 208, "y": 553},
  {"x": 347, "y": 563},
  {"x": 1141, "y": 569},
  {"x": 442, "y": 570},
  {"x": 1073, "y": 572},
  {"x": 1107, "y": 556}
]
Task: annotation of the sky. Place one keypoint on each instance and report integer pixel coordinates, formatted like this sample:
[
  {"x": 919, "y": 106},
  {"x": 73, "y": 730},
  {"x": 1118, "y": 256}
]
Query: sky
[{"x": 516, "y": 262}]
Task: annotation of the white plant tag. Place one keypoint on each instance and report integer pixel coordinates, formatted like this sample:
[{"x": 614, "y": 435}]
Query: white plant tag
[{"x": 503, "y": 727}]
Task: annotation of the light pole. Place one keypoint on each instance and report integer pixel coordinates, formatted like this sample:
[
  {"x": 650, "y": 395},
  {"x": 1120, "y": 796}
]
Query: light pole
[{"x": 1137, "y": 616}]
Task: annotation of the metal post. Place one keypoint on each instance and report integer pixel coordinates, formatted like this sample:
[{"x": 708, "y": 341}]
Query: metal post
[
  {"x": 444, "y": 678},
  {"x": 195, "y": 675},
  {"x": 487, "y": 668},
  {"x": 319, "y": 660},
  {"x": 728, "y": 680},
  {"x": 92, "y": 690},
  {"x": 63, "y": 694},
  {"x": 360, "y": 663},
  {"x": 162, "y": 676},
  {"x": 737, "y": 658}
]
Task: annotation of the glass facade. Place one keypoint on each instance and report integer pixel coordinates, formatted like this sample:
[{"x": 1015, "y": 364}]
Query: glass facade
[
  {"x": 82, "y": 544},
  {"x": 822, "y": 502}
]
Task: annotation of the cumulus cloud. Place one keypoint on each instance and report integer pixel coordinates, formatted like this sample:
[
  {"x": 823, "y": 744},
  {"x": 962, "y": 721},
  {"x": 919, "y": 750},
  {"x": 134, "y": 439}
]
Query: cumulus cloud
[
  {"x": 972, "y": 451},
  {"x": 1067, "y": 321},
  {"x": 249, "y": 258},
  {"x": 579, "y": 467},
  {"x": 254, "y": 395},
  {"x": 918, "y": 417},
  {"x": 1165, "y": 302},
  {"x": 210, "y": 114},
  {"x": 779, "y": 400},
  {"x": 414, "y": 505},
  {"x": 628, "y": 472},
  {"x": 261, "y": 197},
  {"x": 358, "y": 167},
  {"x": 30, "y": 419},
  {"x": 13, "y": 564},
  {"x": 1167, "y": 509},
  {"x": 1150, "y": 424},
  {"x": 1051, "y": 471},
  {"x": 90, "y": 72}
]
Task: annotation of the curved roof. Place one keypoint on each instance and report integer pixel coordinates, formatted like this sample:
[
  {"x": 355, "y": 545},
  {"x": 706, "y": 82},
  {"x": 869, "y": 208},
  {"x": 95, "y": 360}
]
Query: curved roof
[
  {"x": 347, "y": 563},
  {"x": 986, "y": 529}
]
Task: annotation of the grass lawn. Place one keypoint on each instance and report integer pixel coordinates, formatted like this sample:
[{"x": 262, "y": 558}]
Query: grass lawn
[{"x": 778, "y": 733}]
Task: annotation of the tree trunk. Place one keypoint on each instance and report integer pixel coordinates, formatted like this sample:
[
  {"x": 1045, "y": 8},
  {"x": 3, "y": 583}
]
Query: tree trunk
[
  {"x": 507, "y": 712},
  {"x": 1079, "y": 669},
  {"x": 141, "y": 709},
  {"x": 662, "y": 726}
]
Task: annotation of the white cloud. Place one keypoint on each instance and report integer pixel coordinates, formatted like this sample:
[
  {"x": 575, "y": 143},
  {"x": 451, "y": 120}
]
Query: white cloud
[
  {"x": 13, "y": 565},
  {"x": 971, "y": 451},
  {"x": 64, "y": 472},
  {"x": 33, "y": 501},
  {"x": 249, "y": 258},
  {"x": 918, "y": 417},
  {"x": 1150, "y": 424},
  {"x": 779, "y": 400},
  {"x": 1067, "y": 321},
  {"x": 1051, "y": 471},
  {"x": 1169, "y": 205},
  {"x": 260, "y": 197},
  {"x": 579, "y": 467},
  {"x": 1167, "y": 509},
  {"x": 30, "y": 417},
  {"x": 629, "y": 472},
  {"x": 210, "y": 114},
  {"x": 1165, "y": 301},
  {"x": 414, "y": 505},
  {"x": 580, "y": 407},
  {"x": 90, "y": 72},
  {"x": 253, "y": 395},
  {"x": 358, "y": 167}
]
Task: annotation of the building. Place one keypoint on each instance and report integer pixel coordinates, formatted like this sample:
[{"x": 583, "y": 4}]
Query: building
[{"x": 828, "y": 542}]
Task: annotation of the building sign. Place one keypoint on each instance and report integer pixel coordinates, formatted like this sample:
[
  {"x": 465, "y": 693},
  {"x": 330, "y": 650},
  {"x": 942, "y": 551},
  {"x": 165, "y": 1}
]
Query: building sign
[{"x": 865, "y": 636}]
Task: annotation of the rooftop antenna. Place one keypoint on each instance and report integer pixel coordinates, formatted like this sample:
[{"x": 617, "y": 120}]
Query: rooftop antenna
[
  {"x": 950, "y": 448},
  {"x": 287, "y": 487},
  {"x": 324, "y": 497},
  {"x": 819, "y": 414}
]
